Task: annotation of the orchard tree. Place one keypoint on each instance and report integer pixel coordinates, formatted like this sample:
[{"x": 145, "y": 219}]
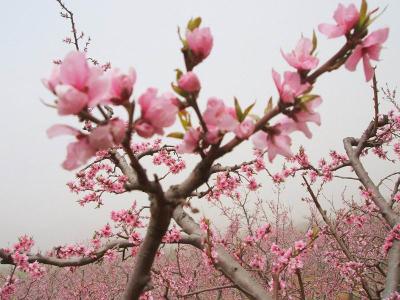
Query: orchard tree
[{"x": 159, "y": 251}]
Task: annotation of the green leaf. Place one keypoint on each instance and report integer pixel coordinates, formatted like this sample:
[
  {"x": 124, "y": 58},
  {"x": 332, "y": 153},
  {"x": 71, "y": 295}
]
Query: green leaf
[
  {"x": 184, "y": 118},
  {"x": 363, "y": 14},
  {"x": 238, "y": 109},
  {"x": 248, "y": 109},
  {"x": 194, "y": 23},
  {"x": 179, "y": 73},
  {"x": 176, "y": 135},
  {"x": 307, "y": 98},
  {"x": 178, "y": 90},
  {"x": 314, "y": 42},
  {"x": 269, "y": 106}
]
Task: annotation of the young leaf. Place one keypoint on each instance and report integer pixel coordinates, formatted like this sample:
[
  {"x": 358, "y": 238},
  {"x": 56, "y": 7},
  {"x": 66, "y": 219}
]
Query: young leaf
[
  {"x": 314, "y": 42},
  {"x": 184, "y": 118},
  {"x": 179, "y": 73},
  {"x": 238, "y": 110},
  {"x": 194, "y": 23},
  {"x": 248, "y": 109},
  {"x": 363, "y": 14},
  {"x": 176, "y": 135},
  {"x": 178, "y": 90},
  {"x": 269, "y": 106},
  {"x": 307, "y": 98}
]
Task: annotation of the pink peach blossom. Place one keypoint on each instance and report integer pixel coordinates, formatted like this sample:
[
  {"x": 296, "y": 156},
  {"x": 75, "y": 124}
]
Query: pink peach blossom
[
  {"x": 190, "y": 141},
  {"x": 97, "y": 87},
  {"x": 290, "y": 87},
  {"x": 200, "y": 41},
  {"x": 275, "y": 144},
  {"x": 74, "y": 70},
  {"x": 346, "y": 18},
  {"x": 189, "y": 82},
  {"x": 159, "y": 112},
  {"x": 301, "y": 58},
  {"x": 70, "y": 100},
  {"x": 212, "y": 135},
  {"x": 107, "y": 136},
  {"x": 76, "y": 84},
  {"x": 144, "y": 129},
  {"x": 300, "y": 118},
  {"x": 121, "y": 86},
  {"x": 245, "y": 129},
  {"x": 78, "y": 152},
  {"x": 369, "y": 48},
  {"x": 220, "y": 116}
]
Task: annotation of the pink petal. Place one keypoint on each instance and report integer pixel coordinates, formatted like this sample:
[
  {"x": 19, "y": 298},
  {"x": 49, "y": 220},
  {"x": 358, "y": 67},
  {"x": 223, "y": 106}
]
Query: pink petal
[
  {"x": 98, "y": 90},
  {"x": 227, "y": 123},
  {"x": 70, "y": 100},
  {"x": 60, "y": 129},
  {"x": 74, "y": 70},
  {"x": 303, "y": 47},
  {"x": 259, "y": 140},
  {"x": 78, "y": 153},
  {"x": 340, "y": 14},
  {"x": 368, "y": 70},
  {"x": 290, "y": 59},
  {"x": 100, "y": 138},
  {"x": 282, "y": 144},
  {"x": 377, "y": 37},
  {"x": 354, "y": 58},
  {"x": 374, "y": 51},
  {"x": 147, "y": 98},
  {"x": 277, "y": 80},
  {"x": 144, "y": 129},
  {"x": 331, "y": 31}
]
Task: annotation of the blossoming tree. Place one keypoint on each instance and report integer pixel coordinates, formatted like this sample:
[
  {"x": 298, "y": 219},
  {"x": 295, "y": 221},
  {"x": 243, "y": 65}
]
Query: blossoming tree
[{"x": 355, "y": 249}]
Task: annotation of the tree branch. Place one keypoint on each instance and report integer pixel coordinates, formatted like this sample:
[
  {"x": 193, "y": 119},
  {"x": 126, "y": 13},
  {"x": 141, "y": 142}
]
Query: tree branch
[{"x": 229, "y": 266}]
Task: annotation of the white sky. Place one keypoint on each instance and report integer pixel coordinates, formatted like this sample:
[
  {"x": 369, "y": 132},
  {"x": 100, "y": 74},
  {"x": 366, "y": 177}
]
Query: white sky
[{"x": 247, "y": 38}]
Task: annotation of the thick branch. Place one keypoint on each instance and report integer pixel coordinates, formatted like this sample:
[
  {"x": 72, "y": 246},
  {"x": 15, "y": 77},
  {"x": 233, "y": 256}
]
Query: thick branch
[
  {"x": 385, "y": 209},
  {"x": 160, "y": 219},
  {"x": 69, "y": 262},
  {"x": 230, "y": 267},
  {"x": 392, "y": 282}
]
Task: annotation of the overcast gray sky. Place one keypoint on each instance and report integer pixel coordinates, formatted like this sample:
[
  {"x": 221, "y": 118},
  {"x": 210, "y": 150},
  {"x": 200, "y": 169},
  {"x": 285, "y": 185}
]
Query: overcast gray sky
[{"x": 248, "y": 36}]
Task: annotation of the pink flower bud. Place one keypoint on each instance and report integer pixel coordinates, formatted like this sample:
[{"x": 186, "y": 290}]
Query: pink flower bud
[
  {"x": 245, "y": 129},
  {"x": 189, "y": 82},
  {"x": 200, "y": 42},
  {"x": 144, "y": 129},
  {"x": 121, "y": 86},
  {"x": 220, "y": 116},
  {"x": 158, "y": 112}
]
